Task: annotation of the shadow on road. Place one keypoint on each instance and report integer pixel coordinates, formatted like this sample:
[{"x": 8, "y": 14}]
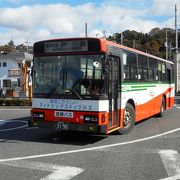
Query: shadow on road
[
  {"x": 44, "y": 135},
  {"x": 177, "y": 101}
]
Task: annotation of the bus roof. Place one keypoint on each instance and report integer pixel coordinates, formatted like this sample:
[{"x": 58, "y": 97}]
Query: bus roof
[
  {"x": 136, "y": 51},
  {"x": 104, "y": 44}
]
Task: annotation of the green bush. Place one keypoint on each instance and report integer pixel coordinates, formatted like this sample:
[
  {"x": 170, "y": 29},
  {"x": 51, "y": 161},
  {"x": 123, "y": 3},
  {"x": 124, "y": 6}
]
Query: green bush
[
  {"x": 1, "y": 102},
  {"x": 15, "y": 102}
]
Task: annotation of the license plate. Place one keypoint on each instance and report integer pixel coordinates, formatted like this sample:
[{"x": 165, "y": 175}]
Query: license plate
[
  {"x": 64, "y": 114},
  {"x": 62, "y": 125}
]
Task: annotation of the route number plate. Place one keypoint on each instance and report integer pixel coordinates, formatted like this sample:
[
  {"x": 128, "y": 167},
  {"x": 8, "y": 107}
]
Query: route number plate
[
  {"x": 64, "y": 114},
  {"x": 62, "y": 125}
]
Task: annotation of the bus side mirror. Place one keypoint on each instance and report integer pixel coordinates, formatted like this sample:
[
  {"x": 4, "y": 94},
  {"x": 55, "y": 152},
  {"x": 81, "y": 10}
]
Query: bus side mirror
[
  {"x": 30, "y": 73},
  {"x": 106, "y": 66}
]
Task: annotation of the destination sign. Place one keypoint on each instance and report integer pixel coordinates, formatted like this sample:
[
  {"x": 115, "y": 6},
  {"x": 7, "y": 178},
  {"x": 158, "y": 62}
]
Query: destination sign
[{"x": 66, "y": 46}]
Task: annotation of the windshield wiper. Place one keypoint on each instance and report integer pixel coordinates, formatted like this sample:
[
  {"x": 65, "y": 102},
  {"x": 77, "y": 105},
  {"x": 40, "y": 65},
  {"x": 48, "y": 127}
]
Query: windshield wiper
[
  {"x": 65, "y": 88},
  {"x": 59, "y": 83},
  {"x": 76, "y": 93},
  {"x": 75, "y": 83}
]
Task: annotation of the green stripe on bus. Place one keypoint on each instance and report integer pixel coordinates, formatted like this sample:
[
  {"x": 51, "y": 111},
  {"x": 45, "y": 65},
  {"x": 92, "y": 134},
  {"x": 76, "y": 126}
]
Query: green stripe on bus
[
  {"x": 143, "y": 83},
  {"x": 128, "y": 90},
  {"x": 142, "y": 86}
]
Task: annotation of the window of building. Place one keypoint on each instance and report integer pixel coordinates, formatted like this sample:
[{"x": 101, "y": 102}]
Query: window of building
[
  {"x": 14, "y": 83},
  {"x": 4, "y": 64},
  {"x": 18, "y": 82},
  {"x": 6, "y": 83}
]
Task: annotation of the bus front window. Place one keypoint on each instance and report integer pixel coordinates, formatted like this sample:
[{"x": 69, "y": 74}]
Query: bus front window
[{"x": 66, "y": 74}]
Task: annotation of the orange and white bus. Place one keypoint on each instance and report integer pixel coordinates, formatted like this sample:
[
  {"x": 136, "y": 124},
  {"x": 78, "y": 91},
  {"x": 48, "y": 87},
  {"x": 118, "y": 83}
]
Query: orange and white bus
[{"x": 94, "y": 85}]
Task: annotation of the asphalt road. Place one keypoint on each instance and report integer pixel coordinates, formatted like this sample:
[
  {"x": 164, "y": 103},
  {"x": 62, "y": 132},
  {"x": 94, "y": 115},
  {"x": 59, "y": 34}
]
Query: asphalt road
[{"x": 150, "y": 152}]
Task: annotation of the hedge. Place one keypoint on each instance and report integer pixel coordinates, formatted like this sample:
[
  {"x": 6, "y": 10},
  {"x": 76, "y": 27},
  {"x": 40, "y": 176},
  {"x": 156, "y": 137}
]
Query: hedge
[{"x": 15, "y": 102}]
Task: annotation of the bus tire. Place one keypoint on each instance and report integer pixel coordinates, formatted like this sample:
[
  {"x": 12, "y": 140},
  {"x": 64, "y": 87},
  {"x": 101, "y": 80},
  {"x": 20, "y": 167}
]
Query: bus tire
[
  {"x": 128, "y": 120},
  {"x": 162, "y": 108}
]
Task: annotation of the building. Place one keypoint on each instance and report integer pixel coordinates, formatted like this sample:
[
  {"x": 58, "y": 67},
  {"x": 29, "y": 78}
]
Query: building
[
  {"x": 14, "y": 73},
  {"x": 177, "y": 72}
]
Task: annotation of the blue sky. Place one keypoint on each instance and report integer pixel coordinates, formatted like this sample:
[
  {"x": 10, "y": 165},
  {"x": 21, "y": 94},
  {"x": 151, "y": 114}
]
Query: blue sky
[
  {"x": 34, "y": 20},
  {"x": 17, "y": 3},
  {"x": 124, "y": 3}
]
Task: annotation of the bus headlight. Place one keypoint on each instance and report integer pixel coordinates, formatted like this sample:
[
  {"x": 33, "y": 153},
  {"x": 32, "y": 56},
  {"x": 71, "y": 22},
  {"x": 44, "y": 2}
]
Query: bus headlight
[
  {"x": 87, "y": 118},
  {"x": 91, "y": 119},
  {"x": 94, "y": 119},
  {"x": 38, "y": 115}
]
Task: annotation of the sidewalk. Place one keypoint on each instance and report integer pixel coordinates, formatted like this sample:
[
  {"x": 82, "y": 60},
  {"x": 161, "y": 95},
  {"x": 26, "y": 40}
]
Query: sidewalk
[{"x": 16, "y": 107}]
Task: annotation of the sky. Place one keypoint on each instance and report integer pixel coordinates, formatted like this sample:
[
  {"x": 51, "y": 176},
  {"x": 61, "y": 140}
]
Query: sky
[{"x": 28, "y": 21}]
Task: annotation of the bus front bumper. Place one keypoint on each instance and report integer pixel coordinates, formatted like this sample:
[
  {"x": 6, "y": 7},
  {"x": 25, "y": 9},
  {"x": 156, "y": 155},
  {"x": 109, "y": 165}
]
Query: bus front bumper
[{"x": 66, "y": 126}]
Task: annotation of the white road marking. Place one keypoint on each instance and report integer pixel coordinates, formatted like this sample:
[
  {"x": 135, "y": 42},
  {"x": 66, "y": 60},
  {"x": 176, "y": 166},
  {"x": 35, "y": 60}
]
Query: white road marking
[
  {"x": 10, "y": 129},
  {"x": 177, "y": 106},
  {"x": 171, "y": 161},
  {"x": 28, "y": 128},
  {"x": 63, "y": 173},
  {"x": 171, "y": 178},
  {"x": 2, "y": 122},
  {"x": 91, "y": 148},
  {"x": 58, "y": 172},
  {"x": 14, "y": 109}
]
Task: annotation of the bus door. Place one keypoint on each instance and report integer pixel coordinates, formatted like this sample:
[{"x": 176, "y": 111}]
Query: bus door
[
  {"x": 169, "y": 79},
  {"x": 113, "y": 91}
]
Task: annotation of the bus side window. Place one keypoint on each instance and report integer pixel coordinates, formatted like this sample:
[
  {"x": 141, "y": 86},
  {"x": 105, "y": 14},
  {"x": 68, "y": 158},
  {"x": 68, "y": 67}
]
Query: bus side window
[
  {"x": 130, "y": 66},
  {"x": 153, "y": 70},
  {"x": 142, "y": 68},
  {"x": 164, "y": 72},
  {"x": 159, "y": 70},
  {"x": 169, "y": 73}
]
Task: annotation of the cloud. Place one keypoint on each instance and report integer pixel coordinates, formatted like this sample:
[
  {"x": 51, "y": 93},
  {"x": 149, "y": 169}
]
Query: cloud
[
  {"x": 39, "y": 22},
  {"x": 15, "y": 35},
  {"x": 164, "y": 7}
]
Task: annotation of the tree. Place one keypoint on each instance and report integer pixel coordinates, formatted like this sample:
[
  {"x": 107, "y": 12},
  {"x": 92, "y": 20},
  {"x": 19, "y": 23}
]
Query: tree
[
  {"x": 152, "y": 42},
  {"x": 11, "y": 43},
  {"x": 154, "y": 31},
  {"x": 5, "y": 49},
  {"x": 152, "y": 47}
]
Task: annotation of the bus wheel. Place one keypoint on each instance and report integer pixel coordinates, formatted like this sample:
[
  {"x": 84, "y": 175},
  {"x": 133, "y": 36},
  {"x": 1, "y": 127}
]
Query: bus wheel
[
  {"x": 162, "y": 108},
  {"x": 129, "y": 119}
]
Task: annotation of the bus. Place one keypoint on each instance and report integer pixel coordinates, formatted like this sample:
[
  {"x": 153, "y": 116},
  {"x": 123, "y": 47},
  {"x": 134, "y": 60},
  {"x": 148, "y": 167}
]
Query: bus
[{"x": 95, "y": 85}]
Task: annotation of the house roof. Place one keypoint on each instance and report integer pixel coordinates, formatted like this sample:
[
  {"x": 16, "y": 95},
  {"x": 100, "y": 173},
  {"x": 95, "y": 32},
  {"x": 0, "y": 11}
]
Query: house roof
[{"x": 16, "y": 56}]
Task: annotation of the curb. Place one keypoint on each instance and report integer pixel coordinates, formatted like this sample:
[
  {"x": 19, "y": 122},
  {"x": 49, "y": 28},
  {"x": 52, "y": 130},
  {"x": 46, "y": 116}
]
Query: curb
[{"x": 15, "y": 107}]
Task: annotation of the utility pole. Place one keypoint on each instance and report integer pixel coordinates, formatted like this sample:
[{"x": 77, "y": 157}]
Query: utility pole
[
  {"x": 86, "y": 29},
  {"x": 166, "y": 44},
  {"x": 170, "y": 51},
  {"x": 27, "y": 46},
  {"x": 176, "y": 52},
  {"x": 176, "y": 29},
  {"x": 122, "y": 38},
  {"x": 104, "y": 34}
]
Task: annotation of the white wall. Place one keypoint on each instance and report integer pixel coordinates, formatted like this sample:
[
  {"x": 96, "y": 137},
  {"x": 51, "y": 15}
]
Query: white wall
[
  {"x": 178, "y": 69},
  {"x": 4, "y": 71}
]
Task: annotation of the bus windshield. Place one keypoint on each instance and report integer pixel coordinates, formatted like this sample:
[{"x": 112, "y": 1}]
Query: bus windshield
[{"x": 82, "y": 74}]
